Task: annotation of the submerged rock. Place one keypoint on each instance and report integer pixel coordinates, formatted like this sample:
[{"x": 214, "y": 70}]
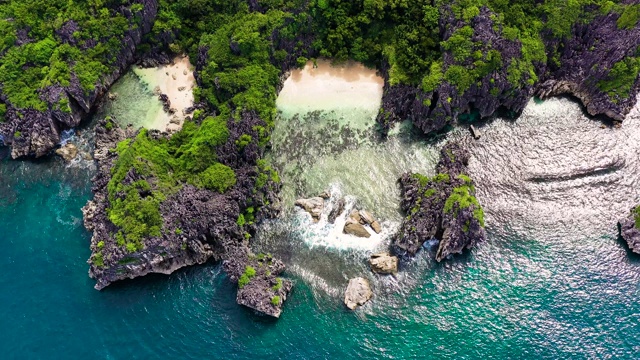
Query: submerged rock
[
  {"x": 383, "y": 263},
  {"x": 443, "y": 207},
  {"x": 68, "y": 152},
  {"x": 358, "y": 293},
  {"x": 313, "y": 206},
  {"x": 630, "y": 233}
]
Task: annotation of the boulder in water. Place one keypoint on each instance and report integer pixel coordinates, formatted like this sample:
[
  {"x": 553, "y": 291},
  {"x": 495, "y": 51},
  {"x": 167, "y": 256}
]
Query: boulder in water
[
  {"x": 313, "y": 206},
  {"x": 383, "y": 263},
  {"x": 358, "y": 293},
  {"x": 354, "y": 217},
  {"x": 356, "y": 229},
  {"x": 68, "y": 152},
  {"x": 366, "y": 217},
  {"x": 376, "y": 227}
]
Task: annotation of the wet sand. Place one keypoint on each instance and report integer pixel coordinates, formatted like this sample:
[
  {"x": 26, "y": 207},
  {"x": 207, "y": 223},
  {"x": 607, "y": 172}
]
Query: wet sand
[{"x": 177, "y": 82}]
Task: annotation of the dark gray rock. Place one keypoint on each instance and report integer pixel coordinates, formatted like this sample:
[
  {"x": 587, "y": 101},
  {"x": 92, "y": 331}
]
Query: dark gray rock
[
  {"x": 428, "y": 217},
  {"x": 337, "y": 209},
  {"x": 630, "y": 233}
]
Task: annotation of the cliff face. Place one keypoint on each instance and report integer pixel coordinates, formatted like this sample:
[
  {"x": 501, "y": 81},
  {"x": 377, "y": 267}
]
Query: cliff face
[
  {"x": 586, "y": 59},
  {"x": 629, "y": 232},
  {"x": 197, "y": 224},
  {"x": 443, "y": 208},
  {"x": 583, "y": 63},
  {"x": 39, "y": 131}
]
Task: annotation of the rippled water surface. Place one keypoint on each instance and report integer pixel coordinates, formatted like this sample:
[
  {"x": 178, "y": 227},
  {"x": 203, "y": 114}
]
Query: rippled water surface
[{"x": 552, "y": 281}]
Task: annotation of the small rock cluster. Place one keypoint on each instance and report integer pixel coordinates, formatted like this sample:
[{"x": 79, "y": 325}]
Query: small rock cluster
[
  {"x": 356, "y": 222},
  {"x": 358, "y": 291}
]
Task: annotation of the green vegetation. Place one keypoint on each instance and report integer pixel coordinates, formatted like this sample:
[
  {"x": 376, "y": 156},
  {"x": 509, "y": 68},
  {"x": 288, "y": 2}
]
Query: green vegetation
[
  {"x": 98, "y": 259},
  {"x": 278, "y": 285},
  {"x": 621, "y": 78},
  {"x": 240, "y": 72},
  {"x": 245, "y": 278},
  {"x": 275, "y": 301},
  {"x": 462, "y": 198},
  {"x": 47, "y": 59},
  {"x": 188, "y": 157},
  {"x": 629, "y": 17}
]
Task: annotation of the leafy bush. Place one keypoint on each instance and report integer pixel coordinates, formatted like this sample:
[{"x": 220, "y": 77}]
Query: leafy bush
[
  {"x": 245, "y": 278},
  {"x": 275, "y": 301},
  {"x": 629, "y": 17}
]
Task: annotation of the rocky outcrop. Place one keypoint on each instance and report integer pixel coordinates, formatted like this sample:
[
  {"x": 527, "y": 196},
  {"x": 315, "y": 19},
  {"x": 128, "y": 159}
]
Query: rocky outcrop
[
  {"x": 313, "y": 206},
  {"x": 630, "y": 232},
  {"x": 583, "y": 60},
  {"x": 198, "y": 225},
  {"x": 68, "y": 152},
  {"x": 358, "y": 293},
  {"x": 39, "y": 131},
  {"x": 586, "y": 58},
  {"x": 367, "y": 218},
  {"x": 383, "y": 263},
  {"x": 259, "y": 286},
  {"x": 443, "y": 207},
  {"x": 337, "y": 209}
]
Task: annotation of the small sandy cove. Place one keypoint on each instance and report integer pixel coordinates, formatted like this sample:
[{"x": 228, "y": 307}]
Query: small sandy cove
[
  {"x": 328, "y": 87},
  {"x": 175, "y": 80}
]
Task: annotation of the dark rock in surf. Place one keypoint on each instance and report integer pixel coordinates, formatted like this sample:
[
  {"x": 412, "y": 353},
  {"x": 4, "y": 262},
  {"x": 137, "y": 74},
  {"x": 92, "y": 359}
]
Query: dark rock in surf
[
  {"x": 629, "y": 232},
  {"x": 337, "y": 209}
]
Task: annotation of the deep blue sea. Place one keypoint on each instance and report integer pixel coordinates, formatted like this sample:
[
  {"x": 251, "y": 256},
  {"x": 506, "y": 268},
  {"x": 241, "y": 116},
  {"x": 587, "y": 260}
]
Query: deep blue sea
[{"x": 552, "y": 281}]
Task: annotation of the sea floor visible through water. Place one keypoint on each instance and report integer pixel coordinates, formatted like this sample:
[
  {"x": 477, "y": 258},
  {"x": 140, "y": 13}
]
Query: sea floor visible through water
[{"x": 552, "y": 280}]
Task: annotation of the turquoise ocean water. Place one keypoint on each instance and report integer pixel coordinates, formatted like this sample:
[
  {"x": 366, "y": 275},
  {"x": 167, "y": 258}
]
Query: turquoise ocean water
[{"x": 537, "y": 291}]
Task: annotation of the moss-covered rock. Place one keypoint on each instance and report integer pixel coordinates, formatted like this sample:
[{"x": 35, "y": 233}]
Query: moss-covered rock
[{"x": 443, "y": 207}]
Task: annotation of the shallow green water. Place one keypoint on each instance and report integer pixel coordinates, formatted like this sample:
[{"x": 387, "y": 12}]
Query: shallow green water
[{"x": 534, "y": 289}]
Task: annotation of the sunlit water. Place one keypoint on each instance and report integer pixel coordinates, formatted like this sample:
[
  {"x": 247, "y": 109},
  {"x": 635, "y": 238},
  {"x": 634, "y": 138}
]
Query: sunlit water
[{"x": 551, "y": 281}]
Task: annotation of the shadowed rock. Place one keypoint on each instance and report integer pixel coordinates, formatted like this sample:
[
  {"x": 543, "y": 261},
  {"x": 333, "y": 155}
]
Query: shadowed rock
[{"x": 630, "y": 233}]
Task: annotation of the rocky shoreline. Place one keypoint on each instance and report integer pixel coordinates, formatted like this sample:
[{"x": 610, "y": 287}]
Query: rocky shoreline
[
  {"x": 586, "y": 58},
  {"x": 205, "y": 224},
  {"x": 40, "y": 130}
]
